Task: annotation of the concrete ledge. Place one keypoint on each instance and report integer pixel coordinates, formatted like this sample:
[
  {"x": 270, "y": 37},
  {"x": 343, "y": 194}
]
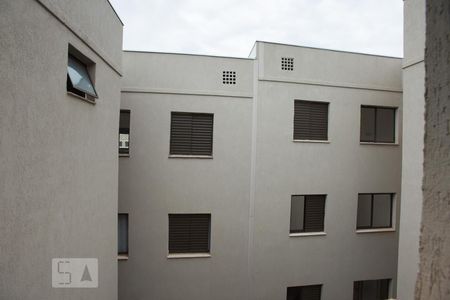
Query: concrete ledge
[
  {"x": 189, "y": 255},
  {"x": 312, "y": 141},
  {"x": 375, "y": 230},
  {"x": 122, "y": 257},
  {"x": 322, "y": 233},
  {"x": 191, "y": 156},
  {"x": 379, "y": 144}
]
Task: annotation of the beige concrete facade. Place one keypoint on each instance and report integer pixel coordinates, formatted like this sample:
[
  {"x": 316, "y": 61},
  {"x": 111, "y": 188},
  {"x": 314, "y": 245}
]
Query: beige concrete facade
[{"x": 58, "y": 153}]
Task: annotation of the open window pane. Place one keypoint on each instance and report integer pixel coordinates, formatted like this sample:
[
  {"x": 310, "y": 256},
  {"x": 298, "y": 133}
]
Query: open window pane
[
  {"x": 123, "y": 234},
  {"x": 382, "y": 210},
  {"x": 364, "y": 211},
  {"x": 367, "y": 124},
  {"x": 79, "y": 76},
  {"x": 385, "y": 127},
  {"x": 297, "y": 213}
]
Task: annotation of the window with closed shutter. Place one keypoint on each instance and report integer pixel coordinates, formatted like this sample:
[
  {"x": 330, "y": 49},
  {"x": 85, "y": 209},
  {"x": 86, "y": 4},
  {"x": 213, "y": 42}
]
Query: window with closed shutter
[
  {"x": 377, "y": 124},
  {"x": 191, "y": 134},
  {"x": 306, "y": 292},
  {"x": 310, "y": 120},
  {"x": 307, "y": 213},
  {"x": 189, "y": 233}
]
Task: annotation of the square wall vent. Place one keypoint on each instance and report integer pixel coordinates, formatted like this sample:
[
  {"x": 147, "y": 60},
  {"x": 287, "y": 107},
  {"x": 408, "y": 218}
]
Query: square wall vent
[
  {"x": 287, "y": 63},
  {"x": 229, "y": 77}
]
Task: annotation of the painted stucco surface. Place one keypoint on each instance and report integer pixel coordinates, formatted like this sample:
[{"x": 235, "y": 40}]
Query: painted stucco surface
[
  {"x": 434, "y": 277},
  {"x": 58, "y": 153},
  {"x": 412, "y": 156}
]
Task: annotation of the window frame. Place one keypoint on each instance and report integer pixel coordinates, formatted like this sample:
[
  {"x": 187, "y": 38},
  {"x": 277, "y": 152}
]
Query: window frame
[
  {"x": 127, "y": 152},
  {"x": 309, "y": 139},
  {"x": 358, "y": 288},
  {"x": 300, "y": 287},
  {"x": 125, "y": 254},
  {"x": 391, "y": 211},
  {"x": 190, "y": 253},
  {"x": 172, "y": 154},
  {"x": 394, "y": 127},
  {"x": 303, "y": 231},
  {"x": 89, "y": 67}
]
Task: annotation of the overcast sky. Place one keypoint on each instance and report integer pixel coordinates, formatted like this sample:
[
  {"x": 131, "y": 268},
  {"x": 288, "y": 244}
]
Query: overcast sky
[{"x": 230, "y": 27}]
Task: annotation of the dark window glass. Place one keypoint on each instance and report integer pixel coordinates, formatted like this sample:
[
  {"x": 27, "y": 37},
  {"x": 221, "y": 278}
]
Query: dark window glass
[
  {"x": 307, "y": 292},
  {"x": 377, "y": 124},
  {"x": 189, "y": 233},
  {"x": 310, "y": 120},
  {"x": 307, "y": 213},
  {"x": 374, "y": 211},
  {"x": 123, "y": 234},
  {"x": 191, "y": 133},
  {"x": 371, "y": 289},
  {"x": 124, "y": 132},
  {"x": 78, "y": 79}
]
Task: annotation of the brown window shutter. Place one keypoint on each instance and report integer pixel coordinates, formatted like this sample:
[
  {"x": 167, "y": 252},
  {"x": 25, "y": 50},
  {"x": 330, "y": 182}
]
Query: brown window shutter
[
  {"x": 310, "y": 120},
  {"x": 191, "y": 133},
  {"x": 314, "y": 213},
  {"x": 189, "y": 233}
]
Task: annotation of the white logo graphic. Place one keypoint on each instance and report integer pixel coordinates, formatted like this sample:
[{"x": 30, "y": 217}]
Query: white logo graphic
[{"x": 75, "y": 273}]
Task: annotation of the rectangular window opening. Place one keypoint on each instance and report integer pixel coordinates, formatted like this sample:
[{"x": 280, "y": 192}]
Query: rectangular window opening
[
  {"x": 124, "y": 132},
  {"x": 306, "y": 292},
  {"x": 189, "y": 233},
  {"x": 79, "y": 81},
  {"x": 374, "y": 211},
  {"x": 123, "y": 234},
  {"x": 377, "y": 124},
  {"x": 191, "y": 134},
  {"x": 310, "y": 120},
  {"x": 371, "y": 289},
  {"x": 307, "y": 213}
]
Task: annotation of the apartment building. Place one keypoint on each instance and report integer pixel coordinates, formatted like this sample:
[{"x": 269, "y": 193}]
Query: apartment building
[
  {"x": 272, "y": 177},
  {"x": 60, "y": 72}
]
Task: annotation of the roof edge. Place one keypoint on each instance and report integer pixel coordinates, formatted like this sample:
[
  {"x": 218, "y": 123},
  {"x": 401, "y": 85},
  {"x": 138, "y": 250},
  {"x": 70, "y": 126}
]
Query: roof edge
[{"x": 327, "y": 49}]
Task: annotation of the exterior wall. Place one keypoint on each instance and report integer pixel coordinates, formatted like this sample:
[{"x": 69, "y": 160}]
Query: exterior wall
[
  {"x": 434, "y": 277},
  {"x": 341, "y": 169},
  {"x": 58, "y": 154},
  {"x": 255, "y": 169},
  {"x": 152, "y": 185},
  {"x": 413, "y": 136}
]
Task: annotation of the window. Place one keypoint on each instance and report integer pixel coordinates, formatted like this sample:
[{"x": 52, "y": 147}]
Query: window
[
  {"x": 371, "y": 289},
  {"x": 307, "y": 213},
  {"x": 287, "y": 63},
  {"x": 374, "y": 211},
  {"x": 310, "y": 120},
  {"x": 189, "y": 233},
  {"x": 78, "y": 79},
  {"x": 307, "y": 292},
  {"x": 191, "y": 134},
  {"x": 124, "y": 132},
  {"x": 229, "y": 77},
  {"x": 123, "y": 234},
  {"x": 377, "y": 124}
]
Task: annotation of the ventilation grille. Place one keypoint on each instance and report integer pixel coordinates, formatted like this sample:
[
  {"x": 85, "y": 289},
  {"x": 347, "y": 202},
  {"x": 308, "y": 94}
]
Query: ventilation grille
[
  {"x": 287, "y": 63},
  {"x": 229, "y": 77}
]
